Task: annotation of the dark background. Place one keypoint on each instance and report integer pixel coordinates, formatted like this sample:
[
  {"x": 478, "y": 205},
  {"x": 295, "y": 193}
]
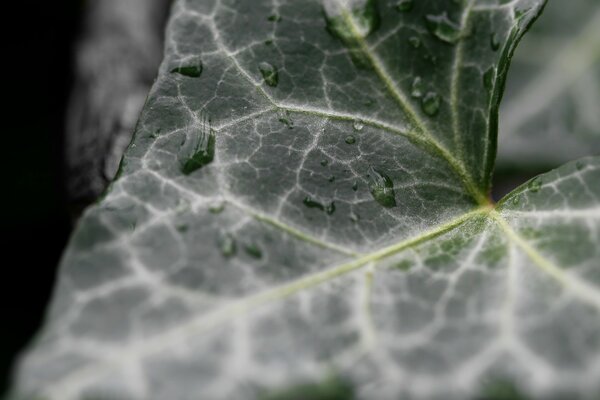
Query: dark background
[{"x": 38, "y": 39}]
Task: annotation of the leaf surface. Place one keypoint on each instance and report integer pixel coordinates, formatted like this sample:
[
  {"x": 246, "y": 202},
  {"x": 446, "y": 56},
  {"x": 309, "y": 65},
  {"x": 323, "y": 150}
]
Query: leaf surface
[{"x": 305, "y": 203}]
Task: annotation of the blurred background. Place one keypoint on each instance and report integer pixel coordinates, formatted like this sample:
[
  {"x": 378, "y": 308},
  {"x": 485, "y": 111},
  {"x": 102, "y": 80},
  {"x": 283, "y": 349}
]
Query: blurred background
[{"x": 78, "y": 73}]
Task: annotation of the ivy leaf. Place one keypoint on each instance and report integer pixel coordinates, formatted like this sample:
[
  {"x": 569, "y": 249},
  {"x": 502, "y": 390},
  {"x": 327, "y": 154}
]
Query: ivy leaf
[
  {"x": 333, "y": 234},
  {"x": 553, "y": 90}
]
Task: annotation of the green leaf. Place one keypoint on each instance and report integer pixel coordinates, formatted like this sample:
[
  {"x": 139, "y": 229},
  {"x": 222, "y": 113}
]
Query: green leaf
[
  {"x": 341, "y": 228},
  {"x": 553, "y": 90}
]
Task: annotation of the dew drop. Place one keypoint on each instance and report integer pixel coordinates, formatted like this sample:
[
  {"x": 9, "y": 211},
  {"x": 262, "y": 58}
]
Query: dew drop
[
  {"x": 365, "y": 19},
  {"x": 324, "y": 162},
  {"x": 198, "y": 147},
  {"x": 443, "y": 28},
  {"x": 274, "y": 18},
  {"x": 580, "y": 165},
  {"x": 416, "y": 89},
  {"x": 535, "y": 185},
  {"x": 350, "y": 139},
  {"x": 331, "y": 179},
  {"x": 382, "y": 188},
  {"x": 354, "y": 217},
  {"x": 403, "y": 265},
  {"x": 488, "y": 78},
  {"x": 404, "y": 5},
  {"x": 430, "y": 103},
  {"x": 494, "y": 42},
  {"x": 217, "y": 208},
  {"x": 268, "y": 42},
  {"x": 192, "y": 70},
  {"x": 284, "y": 117},
  {"x": 330, "y": 209},
  {"x": 310, "y": 203},
  {"x": 358, "y": 125},
  {"x": 355, "y": 186},
  {"x": 227, "y": 245},
  {"x": 253, "y": 250},
  {"x": 182, "y": 228},
  {"x": 414, "y": 42},
  {"x": 269, "y": 73}
]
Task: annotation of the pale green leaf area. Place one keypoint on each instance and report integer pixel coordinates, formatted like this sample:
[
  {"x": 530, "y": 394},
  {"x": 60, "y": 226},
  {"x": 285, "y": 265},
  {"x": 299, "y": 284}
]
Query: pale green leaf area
[
  {"x": 304, "y": 213},
  {"x": 550, "y": 110}
]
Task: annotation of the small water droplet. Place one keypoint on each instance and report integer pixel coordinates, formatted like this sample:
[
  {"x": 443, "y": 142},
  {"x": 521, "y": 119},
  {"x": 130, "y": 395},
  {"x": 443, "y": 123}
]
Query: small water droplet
[
  {"x": 253, "y": 250},
  {"x": 494, "y": 42},
  {"x": 431, "y": 103},
  {"x": 192, "y": 69},
  {"x": 331, "y": 179},
  {"x": 489, "y": 77},
  {"x": 330, "y": 209},
  {"x": 580, "y": 165},
  {"x": 284, "y": 117},
  {"x": 355, "y": 186},
  {"x": 443, "y": 28},
  {"x": 414, "y": 42},
  {"x": 324, "y": 162},
  {"x": 310, "y": 203},
  {"x": 404, "y": 5},
  {"x": 403, "y": 265},
  {"x": 269, "y": 73},
  {"x": 382, "y": 188},
  {"x": 358, "y": 125},
  {"x": 268, "y": 42},
  {"x": 535, "y": 185},
  {"x": 416, "y": 89},
  {"x": 198, "y": 147},
  {"x": 227, "y": 245},
  {"x": 354, "y": 217},
  {"x": 182, "y": 228},
  {"x": 350, "y": 139},
  {"x": 274, "y": 18}
]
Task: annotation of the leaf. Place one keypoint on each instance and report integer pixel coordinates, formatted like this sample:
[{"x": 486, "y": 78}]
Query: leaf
[
  {"x": 340, "y": 238},
  {"x": 553, "y": 92}
]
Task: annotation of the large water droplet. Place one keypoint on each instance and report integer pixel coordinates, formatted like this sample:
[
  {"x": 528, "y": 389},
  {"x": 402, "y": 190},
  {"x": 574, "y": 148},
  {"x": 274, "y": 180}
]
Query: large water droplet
[
  {"x": 269, "y": 73},
  {"x": 192, "y": 69},
  {"x": 416, "y": 90},
  {"x": 404, "y": 5},
  {"x": 382, "y": 188},
  {"x": 443, "y": 28},
  {"x": 350, "y": 139},
  {"x": 227, "y": 245},
  {"x": 494, "y": 42},
  {"x": 198, "y": 147},
  {"x": 358, "y": 125},
  {"x": 284, "y": 117},
  {"x": 430, "y": 103},
  {"x": 414, "y": 42},
  {"x": 488, "y": 78},
  {"x": 535, "y": 185},
  {"x": 253, "y": 250}
]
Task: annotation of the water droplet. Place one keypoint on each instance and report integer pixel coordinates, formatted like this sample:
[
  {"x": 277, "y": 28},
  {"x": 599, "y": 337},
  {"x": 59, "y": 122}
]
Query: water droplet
[
  {"x": 580, "y": 165},
  {"x": 489, "y": 77},
  {"x": 355, "y": 186},
  {"x": 310, "y": 203},
  {"x": 404, "y": 5},
  {"x": 198, "y": 147},
  {"x": 274, "y": 18},
  {"x": 269, "y": 73},
  {"x": 358, "y": 125},
  {"x": 330, "y": 209},
  {"x": 443, "y": 28},
  {"x": 431, "y": 103},
  {"x": 535, "y": 185},
  {"x": 182, "y": 228},
  {"x": 350, "y": 139},
  {"x": 494, "y": 42},
  {"x": 382, "y": 188},
  {"x": 217, "y": 208},
  {"x": 253, "y": 250},
  {"x": 354, "y": 217},
  {"x": 227, "y": 245},
  {"x": 268, "y": 42},
  {"x": 516, "y": 200},
  {"x": 324, "y": 162},
  {"x": 192, "y": 69},
  {"x": 416, "y": 89},
  {"x": 331, "y": 179},
  {"x": 414, "y": 42},
  {"x": 284, "y": 117},
  {"x": 403, "y": 265}
]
